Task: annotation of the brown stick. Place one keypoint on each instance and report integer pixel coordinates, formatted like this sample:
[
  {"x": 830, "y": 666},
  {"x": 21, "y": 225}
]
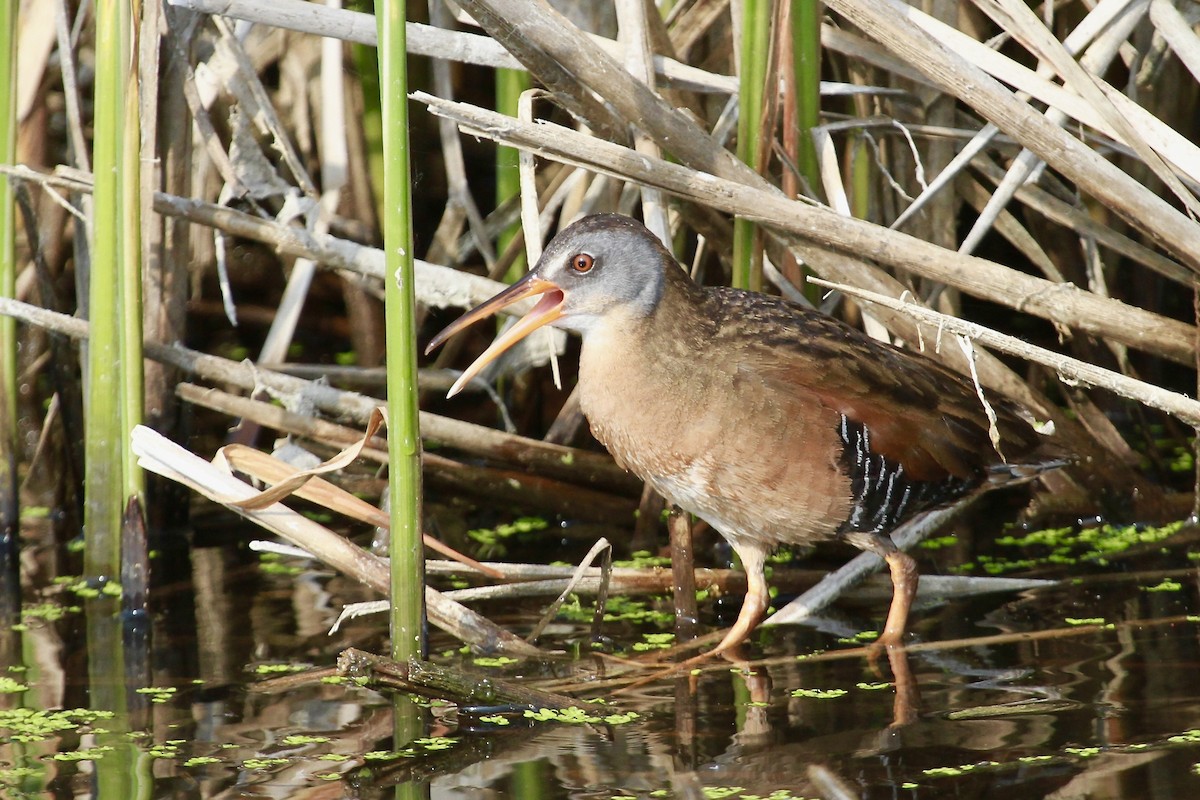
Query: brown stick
[
  {"x": 429, "y": 680},
  {"x": 535, "y": 491}
]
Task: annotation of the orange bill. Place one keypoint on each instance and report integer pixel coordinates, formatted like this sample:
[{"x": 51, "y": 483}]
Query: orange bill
[{"x": 548, "y": 309}]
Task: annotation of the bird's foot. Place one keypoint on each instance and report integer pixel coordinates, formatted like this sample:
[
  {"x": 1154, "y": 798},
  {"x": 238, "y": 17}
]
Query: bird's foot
[{"x": 726, "y": 650}]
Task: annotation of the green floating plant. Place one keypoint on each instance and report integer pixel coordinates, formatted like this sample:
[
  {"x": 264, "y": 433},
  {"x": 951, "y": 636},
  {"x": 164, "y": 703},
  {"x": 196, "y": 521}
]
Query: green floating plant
[
  {"x": 1166, "y": 585},
  {"x": 492, "y": 540},
  {"x": 28, "y": 725},
  {"x": 10, "y": 686},
  {"x": 1070, "y": 545},
  {"x": 297, "y": 739},
  {"x": 496, "y": 719},
  {"x": 643, "y": 559},
  {"x": 655, "y": 641},
  {"x": 88, "y": 754},
  {"x": 278, "y": 669},
  {"x": 578, "y": 716},
  {"x": 819, "y": 694},
  {"x": 494, "y": 661},
  {"x": 158, "y": 694}
]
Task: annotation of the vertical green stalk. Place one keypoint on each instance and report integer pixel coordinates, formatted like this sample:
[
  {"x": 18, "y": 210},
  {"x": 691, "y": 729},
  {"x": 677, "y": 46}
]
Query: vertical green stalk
[
  {"x": 404, "y": 442},
  {"x": 752, "y": 76},
  {"x": 8, "y": 285},
  {"x": 132, "y": 378},
  {"x": 860, "y": 177},
  {"x": 509, "y": 85},
  {"x": 806, "y": 39},
  {"x": 114, "y": 351}
]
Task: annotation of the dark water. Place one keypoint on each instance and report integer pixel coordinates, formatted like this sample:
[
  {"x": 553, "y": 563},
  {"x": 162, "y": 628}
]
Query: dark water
[{"x": 1001, "y": 694}]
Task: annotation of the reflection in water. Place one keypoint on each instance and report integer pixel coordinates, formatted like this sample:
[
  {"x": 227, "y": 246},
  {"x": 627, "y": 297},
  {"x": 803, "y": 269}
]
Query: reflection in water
[{"x": 1091, "y": 711}]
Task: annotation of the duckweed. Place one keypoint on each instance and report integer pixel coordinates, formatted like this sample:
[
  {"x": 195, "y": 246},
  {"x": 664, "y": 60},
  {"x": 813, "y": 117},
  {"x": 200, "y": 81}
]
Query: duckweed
[
  {"x": 496, "y": 719},
  {"x": 618, "y": 609},
  {"x": 50, "y": 612},
  {"x": 1083, "y": 752},
  {"x": 655, "y": 641},
  {"x": 278, "y": 669},
  {"x": 1070, "y": 545},
  {"x": 88, "y": 754},
  {"x": 300, "y": 739},
  {"x": 818, "y": 694},
  {"x": 494, "y": 661},
  {"x": 643, "y": 559},
  {"x": 578, "y": 716},
  {"x": 1166, "y": 585},
  {"x": 491, "y": 540},
  {"x": 28, "y": 725},
  {"x": 158, "y": 694}
]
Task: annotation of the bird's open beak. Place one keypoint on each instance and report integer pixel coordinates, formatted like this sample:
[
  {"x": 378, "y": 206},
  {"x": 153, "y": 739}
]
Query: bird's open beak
[{"x": 548, "y": 309}]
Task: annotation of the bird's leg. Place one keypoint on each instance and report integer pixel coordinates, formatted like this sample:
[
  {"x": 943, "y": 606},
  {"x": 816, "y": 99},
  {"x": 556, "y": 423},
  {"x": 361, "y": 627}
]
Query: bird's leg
[
  {"x": 904, "y": 581},
  {"x": 753, "y": 557},
  {"x": 904, "y": 588},
  {"x": 754, "y": 607}
]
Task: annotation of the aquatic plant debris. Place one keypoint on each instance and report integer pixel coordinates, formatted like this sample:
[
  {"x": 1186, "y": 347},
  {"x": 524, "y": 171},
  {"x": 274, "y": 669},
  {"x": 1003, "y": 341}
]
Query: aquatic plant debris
[
  {"x": 28, "y": 725},
  {"x": 819, "y": 694},
  {"x": 158, "y": 694},
  {"x": 1071, "y": 545},
  {"x": 578, "y": 716},
  {"x": 492, "y": 540},
  {"x": 494, "y": 661},
  {"x": 654, "y": 641},
  {"x": 10, "y": 686},
  {"x": 279, "y": 669},
  {"x": 1166, "y": 585}
]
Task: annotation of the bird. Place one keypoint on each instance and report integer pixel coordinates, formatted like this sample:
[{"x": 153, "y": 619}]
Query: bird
[{"x": 773, "y": 422}]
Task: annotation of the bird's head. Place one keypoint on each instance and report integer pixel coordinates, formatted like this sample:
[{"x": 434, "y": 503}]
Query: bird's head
[{"x": 600, "y": 265}]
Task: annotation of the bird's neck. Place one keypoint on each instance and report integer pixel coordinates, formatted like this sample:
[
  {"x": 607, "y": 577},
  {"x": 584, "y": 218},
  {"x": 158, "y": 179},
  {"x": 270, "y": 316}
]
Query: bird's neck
[{"x": 631, "y": 362}]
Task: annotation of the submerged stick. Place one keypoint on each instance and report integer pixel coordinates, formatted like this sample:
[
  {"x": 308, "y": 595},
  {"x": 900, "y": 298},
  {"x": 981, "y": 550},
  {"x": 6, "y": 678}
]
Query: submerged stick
[{"x": 445, "y": 683}]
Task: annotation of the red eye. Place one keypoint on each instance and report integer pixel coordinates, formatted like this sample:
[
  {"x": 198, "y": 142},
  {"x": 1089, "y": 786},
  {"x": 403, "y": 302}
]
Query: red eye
[{"x": 582, "y": 262}]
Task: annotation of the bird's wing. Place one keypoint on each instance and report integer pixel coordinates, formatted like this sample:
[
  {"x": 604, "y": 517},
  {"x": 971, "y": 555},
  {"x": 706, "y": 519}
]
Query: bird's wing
[{"x": 918, "y": 413}]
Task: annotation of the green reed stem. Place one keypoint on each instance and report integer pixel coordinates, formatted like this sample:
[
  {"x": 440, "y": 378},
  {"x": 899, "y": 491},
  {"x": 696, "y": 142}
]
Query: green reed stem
[
  {"x": 509, "y": 85},
  {"x": 752, "y": 72},
  {"x": 114, "y": 362},
  {"x": 806, "y": 39},
  {"x": 404, "y": 441},
  {"x": 8, "y": 276}
]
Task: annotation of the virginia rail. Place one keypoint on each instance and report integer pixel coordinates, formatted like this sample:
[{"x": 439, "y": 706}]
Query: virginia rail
[{"x": 774, "y": 423}]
